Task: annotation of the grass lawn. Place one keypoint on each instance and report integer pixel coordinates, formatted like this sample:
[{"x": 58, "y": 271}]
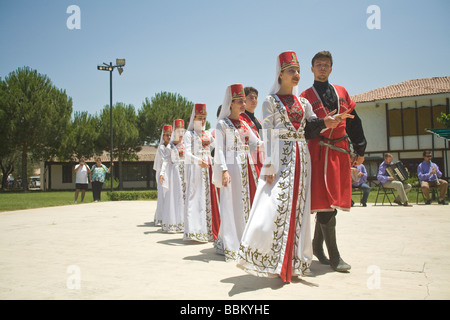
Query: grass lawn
[
  {"x": 10, "y": 201},
  {"x": 412, "y": 196},
  {"x": 37, "y": 199}
]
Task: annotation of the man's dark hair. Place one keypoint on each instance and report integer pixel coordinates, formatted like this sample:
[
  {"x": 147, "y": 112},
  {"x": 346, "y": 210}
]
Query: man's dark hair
[
  {"x": 426, "y": 152},
  {"x": 249, "y": 90},
  {"x": 387, "y": 155},
  {"x": 322, "y": 54}
]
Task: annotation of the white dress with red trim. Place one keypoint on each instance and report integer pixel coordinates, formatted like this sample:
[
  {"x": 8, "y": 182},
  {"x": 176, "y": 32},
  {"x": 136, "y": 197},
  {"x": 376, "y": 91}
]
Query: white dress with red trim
[
  {"x": 277, "y": 237},
  {"x": 173, "y": 172},
  {"x": 232, "y": 153},
  {"x": 201, "y": 218},
  {"x": 160, "y": 154}
]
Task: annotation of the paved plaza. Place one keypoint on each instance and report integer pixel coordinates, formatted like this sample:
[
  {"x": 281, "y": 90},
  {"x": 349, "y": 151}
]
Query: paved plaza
[{"x": 113, "y": 250}]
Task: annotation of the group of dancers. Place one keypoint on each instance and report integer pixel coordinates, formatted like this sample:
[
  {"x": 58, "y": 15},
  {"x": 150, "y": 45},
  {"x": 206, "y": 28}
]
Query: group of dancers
[{"x": 251, "y": 189}]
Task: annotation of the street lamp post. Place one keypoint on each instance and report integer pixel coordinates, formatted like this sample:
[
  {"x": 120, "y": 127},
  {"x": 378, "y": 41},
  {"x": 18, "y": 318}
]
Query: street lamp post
[{"x": 120, "y": 63}]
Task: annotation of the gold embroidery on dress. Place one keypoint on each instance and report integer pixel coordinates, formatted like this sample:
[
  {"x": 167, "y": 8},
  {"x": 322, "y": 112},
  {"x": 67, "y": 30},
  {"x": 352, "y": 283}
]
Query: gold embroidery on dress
[{"x": 269, "y": 262}]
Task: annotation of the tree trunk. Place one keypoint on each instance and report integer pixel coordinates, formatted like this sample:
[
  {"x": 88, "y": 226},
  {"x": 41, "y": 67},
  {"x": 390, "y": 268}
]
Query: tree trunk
[
  {"x": 6, "y": 171},
  {"x": 24, "y": 167},
  {"x": 120, "y": 170}
]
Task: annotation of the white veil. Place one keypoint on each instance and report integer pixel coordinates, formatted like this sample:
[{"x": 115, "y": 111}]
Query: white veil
[
  {"x": 173, "y": 135},
  {"x": 158, "y": 160},
  {"x": 191, "y": 121},
  {"x": 225, "y": 110}
]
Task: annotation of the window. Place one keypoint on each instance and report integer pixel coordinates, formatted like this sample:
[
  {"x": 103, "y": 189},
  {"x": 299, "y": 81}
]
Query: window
[
  {"x": 424, "y": 119},
  {"x": 409, "y": 122},
  {"x": 67, "y": 173},
  {"x": 135, "y": 172},
  {"x": 395, "y": 122}
]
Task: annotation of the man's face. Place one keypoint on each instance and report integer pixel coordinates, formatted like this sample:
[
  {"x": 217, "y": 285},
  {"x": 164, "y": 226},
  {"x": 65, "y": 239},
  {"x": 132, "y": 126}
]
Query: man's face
[
  {"x": 251, "y": 101},
  {"x": 388, "y": 160},
  {"x": 321, "y": 69},
  {"x": 427, "y": 157}
]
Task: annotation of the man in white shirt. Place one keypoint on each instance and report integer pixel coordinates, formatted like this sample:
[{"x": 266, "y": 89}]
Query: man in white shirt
[{"x": 81, "y": 182}]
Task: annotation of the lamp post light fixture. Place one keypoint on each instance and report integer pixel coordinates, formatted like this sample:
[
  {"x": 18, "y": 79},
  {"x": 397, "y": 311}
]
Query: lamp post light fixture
[{"x": 120, "y": 63}]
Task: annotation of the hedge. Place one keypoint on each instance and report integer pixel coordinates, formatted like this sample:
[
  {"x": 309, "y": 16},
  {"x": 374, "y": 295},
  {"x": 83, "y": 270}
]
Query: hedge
[{"x": 132, "y": 195}]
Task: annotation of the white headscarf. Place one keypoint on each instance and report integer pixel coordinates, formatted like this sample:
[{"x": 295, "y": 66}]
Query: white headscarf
[
  {"x": 191, "y": 121},
  {"x": 276, "y": 86},
  {"x": 225, "y": 110},
  {"x": 158, "y": 161},
  {"x": 174, "y": 128}
]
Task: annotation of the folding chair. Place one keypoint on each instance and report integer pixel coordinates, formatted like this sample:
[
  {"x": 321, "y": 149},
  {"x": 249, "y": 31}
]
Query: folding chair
[
  {"x": 419, "y": 191},
  {"x": 386, "y": 192},
  {"x": 358, "y": 192}
]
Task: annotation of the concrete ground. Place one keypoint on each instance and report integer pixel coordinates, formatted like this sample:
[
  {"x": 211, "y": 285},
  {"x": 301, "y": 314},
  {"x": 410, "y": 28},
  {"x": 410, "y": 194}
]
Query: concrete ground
[{"x": 112, "y": 250}]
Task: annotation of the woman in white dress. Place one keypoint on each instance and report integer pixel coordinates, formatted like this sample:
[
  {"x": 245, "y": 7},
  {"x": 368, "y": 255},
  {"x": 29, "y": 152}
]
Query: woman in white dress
[
  {"x": 234, "y": 170},
  {"x": 166, "y": 133},
  {"x": 172, "y": 171},
  {"x": 277, "y": 237},
  {"x": 201, "y": 218}
]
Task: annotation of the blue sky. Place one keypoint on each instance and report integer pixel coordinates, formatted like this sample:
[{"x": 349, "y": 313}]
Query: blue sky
[{"x": 198, "y": 47}]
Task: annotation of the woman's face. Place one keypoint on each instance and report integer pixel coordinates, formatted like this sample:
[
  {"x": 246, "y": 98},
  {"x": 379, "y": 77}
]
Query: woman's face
[
  {"x": 238, "y": 106},
  {"x": 201, "y": 119},
  {"x": 179, "y": 133},
  {"x": 290, "y": 76},
  {"x": 99, "y": 162},
  {"x": 166, "y": 137}
]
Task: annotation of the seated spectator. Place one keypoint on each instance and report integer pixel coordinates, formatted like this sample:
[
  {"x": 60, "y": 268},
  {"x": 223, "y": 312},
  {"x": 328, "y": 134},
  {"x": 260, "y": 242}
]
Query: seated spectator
[
  {"x": 389, "y": 182},
  {"x": 429, "y": 176},
  {"x": 360, "y": 173}
]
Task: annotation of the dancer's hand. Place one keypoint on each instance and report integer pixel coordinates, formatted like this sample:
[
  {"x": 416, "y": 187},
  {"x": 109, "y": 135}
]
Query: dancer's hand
[
  {"x": 357, "y": 160},
  {"x": 161, "y": 179},
  {"x": 344, "y": 115},
  {"x": 226, "y": 179},
  {"x": 202, "y": 163}
]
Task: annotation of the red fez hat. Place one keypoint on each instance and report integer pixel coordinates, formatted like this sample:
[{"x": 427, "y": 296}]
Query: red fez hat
[
  {"x": 288, "y": 59},
  {"x": 200, "y": 109},
  {"x": 167, "y": 128},
  {"x": 237, "y": 91},
  {"x": 179, "y": 123}
]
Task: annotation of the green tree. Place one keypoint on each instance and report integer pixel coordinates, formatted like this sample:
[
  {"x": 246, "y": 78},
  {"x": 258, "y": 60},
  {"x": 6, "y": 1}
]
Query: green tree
[
  {"x": 38, "y": 114},
  {"x": 81, "y": 137},
  {"x": 126, "y": 140},
  {"x": 162, "y": 109},
  {"x": 444, "y": 119},
  {"x": 8, "y": 151}
]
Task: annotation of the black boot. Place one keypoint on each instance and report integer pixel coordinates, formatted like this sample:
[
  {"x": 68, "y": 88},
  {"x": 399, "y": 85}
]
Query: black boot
[
  {"x": 317, "y": 245},
  {"x": 329, "y": 234}
]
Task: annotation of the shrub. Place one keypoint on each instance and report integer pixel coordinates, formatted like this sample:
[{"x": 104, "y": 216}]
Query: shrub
[{"x": 132, "y": 195}]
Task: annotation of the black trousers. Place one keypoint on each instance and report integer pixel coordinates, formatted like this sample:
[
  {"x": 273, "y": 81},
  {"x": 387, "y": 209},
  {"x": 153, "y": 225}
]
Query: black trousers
[
  {"x": 324, "y": 217},
  {"x": 97, "y": 190}
]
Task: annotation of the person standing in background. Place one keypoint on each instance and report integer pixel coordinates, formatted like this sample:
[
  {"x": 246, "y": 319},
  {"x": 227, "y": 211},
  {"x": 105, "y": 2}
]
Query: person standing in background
[
  {"x": 97, "y": 177},
  {"x": 82, "y": 171}
]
